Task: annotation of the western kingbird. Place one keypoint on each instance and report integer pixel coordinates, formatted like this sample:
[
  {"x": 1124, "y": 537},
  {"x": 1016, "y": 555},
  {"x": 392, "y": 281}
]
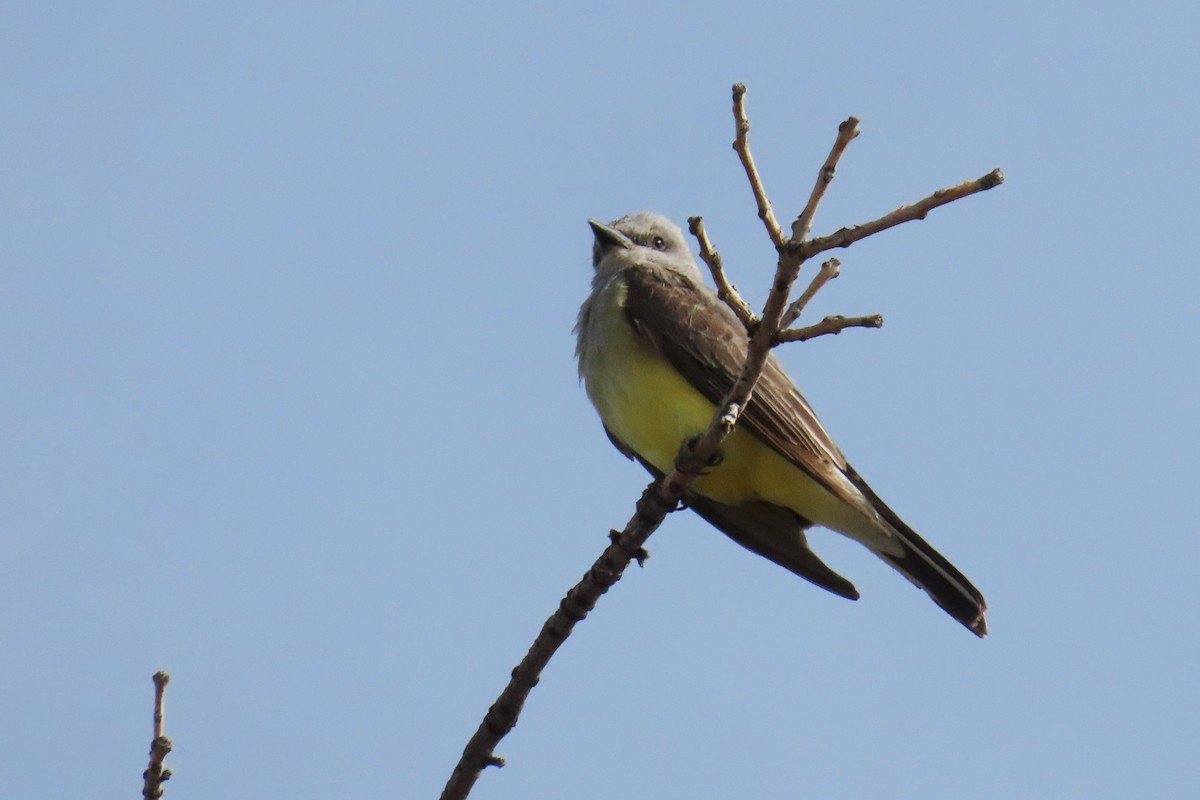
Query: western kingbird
[{"x": 658, "y": 350}]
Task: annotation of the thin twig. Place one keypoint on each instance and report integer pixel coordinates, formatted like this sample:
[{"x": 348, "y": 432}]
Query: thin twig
[
  {"x": 161, "y": 679},
  {"x": 802, "y": 227},
  {"x": 726, "y": 291},
  {"x": 742, "y": 146},
  {"x": 828, "y": 271},
  {"x": 160, "y": 745},
  {"x": 848, "y": 236},
  {"x": 834, "y": 324}
]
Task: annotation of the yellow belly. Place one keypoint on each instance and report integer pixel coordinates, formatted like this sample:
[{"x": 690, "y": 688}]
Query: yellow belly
[{"x": 650, "y": 407}]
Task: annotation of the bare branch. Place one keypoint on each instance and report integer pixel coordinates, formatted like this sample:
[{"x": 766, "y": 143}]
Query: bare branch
[
  {"x": 828, "y": 271},
  {"x": 502, "y": 716},
  {"x": 699, "y": 453},
  {"x": 725, "y": 290},
  {"x": 918, "y": 210},
  {"x": 834, "y": 324},
  {"x": 802, "y": 227},
  {"x": 742, "y": 146},
  {"x": 160, "y": 745},
  {"x": 658, "y": 499}
]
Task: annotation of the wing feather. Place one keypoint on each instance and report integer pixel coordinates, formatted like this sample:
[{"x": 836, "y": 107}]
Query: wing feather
[{"x": 707, "y": 344}]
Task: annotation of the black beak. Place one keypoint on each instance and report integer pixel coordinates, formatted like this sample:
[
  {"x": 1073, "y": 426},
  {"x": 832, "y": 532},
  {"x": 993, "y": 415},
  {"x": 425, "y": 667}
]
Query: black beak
[{"x": 607, "y": 238}]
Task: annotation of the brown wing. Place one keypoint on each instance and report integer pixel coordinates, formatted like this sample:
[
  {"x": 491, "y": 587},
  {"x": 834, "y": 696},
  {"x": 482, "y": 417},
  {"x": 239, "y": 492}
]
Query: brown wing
[{"x": 706, "y": 343}]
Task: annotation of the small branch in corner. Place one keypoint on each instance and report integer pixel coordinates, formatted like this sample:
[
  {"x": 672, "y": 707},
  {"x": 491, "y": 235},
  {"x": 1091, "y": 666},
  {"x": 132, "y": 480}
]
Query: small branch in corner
[{"x": 156, "y": 774}]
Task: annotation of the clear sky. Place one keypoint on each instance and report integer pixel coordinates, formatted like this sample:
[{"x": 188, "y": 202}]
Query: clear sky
[{"x": 288, "y": 403}]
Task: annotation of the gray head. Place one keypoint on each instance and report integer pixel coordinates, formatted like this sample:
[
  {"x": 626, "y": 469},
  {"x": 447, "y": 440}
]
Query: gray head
[{"x": 644, "y": 237}]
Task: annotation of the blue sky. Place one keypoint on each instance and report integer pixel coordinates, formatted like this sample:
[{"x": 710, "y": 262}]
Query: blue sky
[{"x": 288, "y": 402}]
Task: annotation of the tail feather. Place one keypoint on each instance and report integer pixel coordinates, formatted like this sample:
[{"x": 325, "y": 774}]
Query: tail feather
[
  {"x": 775, "y": 533},
  {"x": 928, "y": 569}
]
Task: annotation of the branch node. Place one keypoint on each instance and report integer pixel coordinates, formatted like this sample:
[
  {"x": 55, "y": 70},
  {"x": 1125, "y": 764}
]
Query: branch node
[
  {"x": 730, "y": 417},
  {"x": 802, "y": 227},
  {"x": 829, "y": 270},
  {"x": 640, "y": 554}
]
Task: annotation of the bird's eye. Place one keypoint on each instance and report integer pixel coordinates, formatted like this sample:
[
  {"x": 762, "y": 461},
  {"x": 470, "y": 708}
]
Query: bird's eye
[{"x": 659, "y": 243}]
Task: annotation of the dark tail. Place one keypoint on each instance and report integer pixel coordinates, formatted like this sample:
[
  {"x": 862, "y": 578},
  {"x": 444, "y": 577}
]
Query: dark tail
[
  {"x": 774, "y": 533},
  {"x": 929, "y": 569}
]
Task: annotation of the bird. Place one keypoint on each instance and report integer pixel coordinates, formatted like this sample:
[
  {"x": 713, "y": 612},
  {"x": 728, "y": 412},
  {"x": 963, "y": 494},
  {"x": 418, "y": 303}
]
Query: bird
[{"x": 658, "y": 350}]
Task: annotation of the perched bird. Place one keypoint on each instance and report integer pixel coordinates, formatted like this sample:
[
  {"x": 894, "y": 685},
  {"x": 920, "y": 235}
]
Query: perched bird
[{"x": 658, "y": 350}]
